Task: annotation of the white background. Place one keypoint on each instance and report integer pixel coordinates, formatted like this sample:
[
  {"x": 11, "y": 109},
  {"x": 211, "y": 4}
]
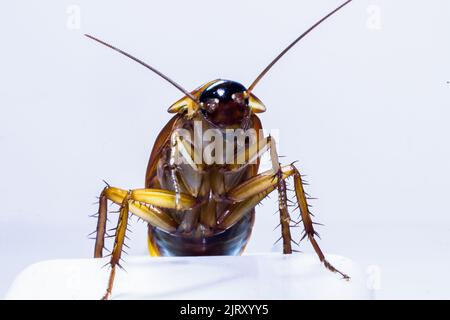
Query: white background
[{"x": 362, "y": 103}]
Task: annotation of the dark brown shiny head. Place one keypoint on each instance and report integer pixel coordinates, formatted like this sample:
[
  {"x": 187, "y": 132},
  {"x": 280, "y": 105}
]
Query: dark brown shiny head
[{"x": 225, "y": 103}]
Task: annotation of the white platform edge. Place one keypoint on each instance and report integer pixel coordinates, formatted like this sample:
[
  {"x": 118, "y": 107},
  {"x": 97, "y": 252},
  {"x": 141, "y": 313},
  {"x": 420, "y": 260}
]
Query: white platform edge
[{"x": 257, "y": 276}]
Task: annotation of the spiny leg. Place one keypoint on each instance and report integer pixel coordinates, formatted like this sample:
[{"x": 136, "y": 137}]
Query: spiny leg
[
  {"x": 147, "y": 203},
  {"x": 249, "y": 193},
  {"x": 101, "y": 225},
  {"x": 252, "y": 191},
  {"x": 146, "y": 212},
  {"x": 285, "y": 218},
  {"x": 254, "y": 152},
  {"x": 308, "y": 223},
  {"x": 250, "y": 155},
  {"x": 118, "y": 242},
  {"x": 143, "y": 203}
]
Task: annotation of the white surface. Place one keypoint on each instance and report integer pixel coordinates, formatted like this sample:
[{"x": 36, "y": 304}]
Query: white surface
[
  {"x": 365, "y": 111},
  {"x": 270, "y": 276}
]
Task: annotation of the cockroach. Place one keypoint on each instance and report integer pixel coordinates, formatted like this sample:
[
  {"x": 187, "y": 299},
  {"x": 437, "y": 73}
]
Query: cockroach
[{"x": 197, "y": 205}]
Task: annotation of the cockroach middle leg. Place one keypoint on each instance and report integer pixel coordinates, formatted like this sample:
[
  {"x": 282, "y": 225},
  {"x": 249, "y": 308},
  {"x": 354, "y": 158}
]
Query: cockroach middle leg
[
  {"x": 118, "y": 243},
  {"x": 147, "y": 204}
]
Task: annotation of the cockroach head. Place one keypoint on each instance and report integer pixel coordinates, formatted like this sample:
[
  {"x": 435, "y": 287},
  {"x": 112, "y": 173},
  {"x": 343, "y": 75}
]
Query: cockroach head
[{"x": 225, "y": 103}]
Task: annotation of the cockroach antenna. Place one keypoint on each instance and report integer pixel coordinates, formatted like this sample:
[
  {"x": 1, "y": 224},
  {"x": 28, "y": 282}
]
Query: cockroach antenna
[
  {"x": 176, "y": 85},
  {"x": 263, "y": 73}
]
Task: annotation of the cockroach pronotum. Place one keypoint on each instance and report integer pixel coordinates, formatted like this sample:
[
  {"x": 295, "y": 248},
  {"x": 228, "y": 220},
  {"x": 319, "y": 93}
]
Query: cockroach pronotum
[{"x": 197, "y": 205}]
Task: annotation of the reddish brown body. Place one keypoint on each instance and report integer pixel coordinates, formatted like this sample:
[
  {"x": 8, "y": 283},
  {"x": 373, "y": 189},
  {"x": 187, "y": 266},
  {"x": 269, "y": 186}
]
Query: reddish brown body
[{"x": 195, "y": 236}]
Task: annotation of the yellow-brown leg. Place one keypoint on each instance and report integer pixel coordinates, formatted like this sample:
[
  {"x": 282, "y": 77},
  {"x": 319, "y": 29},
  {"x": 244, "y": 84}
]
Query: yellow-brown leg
[
  {"x": 308, "y": 223},
  {"x": 144, "y": 203},
  {"x": 147, "y": 212},
  {"x": 118, "y": 242},
  {"x": 101, "y": 225},
  {"x": 251, "y": 154},
  {"x": 285, "y": 219},
  {"x": 248, "y": 194}
]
